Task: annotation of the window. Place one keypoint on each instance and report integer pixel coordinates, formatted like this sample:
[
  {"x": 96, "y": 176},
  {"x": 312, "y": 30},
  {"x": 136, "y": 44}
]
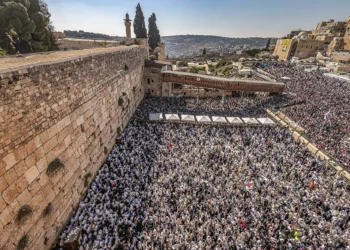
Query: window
[
  {"x": 152, "y": 80},
  {"x": 148, "y": 81}
]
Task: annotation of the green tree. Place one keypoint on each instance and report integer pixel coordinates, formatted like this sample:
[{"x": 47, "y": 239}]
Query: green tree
[
  {"x": 25, "y": 26},
  {"x": 252, "y": 52},
  {"x": 153, "y": 32},
  {"x": 139, "y": 23}
]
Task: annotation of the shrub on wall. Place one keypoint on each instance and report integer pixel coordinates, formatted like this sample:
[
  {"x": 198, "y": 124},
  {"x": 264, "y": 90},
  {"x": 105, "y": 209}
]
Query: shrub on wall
[
  {"x": 23, "y": 242},
  {"x": 120, "y": 101},
  {"x": 54, "y": 167},
  {"x": 86, "y": 179},
  {"x": 47, "y": 211},
  {"x": 23, "y": 214}
]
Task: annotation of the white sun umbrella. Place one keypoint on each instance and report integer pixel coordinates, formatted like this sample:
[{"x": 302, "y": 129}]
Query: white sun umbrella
[
  {"x": 266, "y": 121},
  {"x": 203, "y": 118},
  {"x": 156, "y": 116},
  {"x": 219, "y": 119},
  {"x": 234, "y": 120},
  {"x": 250, "y": 120},
  {"x": 172, "y": 117},
  {"x": 187, "y": 118}
]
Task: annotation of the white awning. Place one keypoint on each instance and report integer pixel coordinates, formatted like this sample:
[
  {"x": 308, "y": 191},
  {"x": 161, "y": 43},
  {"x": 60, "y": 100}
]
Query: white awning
[
  {"x": 203, "y": 119},
  {"x": 250, "y": 120},
  {"x": 234, "y": 120},
  {"x": 188, "y": 118},
  {"x": 266, "y": 121},
  {"x": 172, "y": 117},
  {"x": 219, "y": 119},
  {"x": 156, "y": 116}
]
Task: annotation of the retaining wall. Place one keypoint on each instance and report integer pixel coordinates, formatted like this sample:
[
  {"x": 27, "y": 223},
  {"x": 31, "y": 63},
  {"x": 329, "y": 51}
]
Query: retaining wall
[{"x": 69, "y": 111}]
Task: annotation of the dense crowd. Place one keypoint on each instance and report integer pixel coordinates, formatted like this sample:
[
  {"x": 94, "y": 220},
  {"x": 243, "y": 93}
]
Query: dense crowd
[
  {"x": 241, "y": 106},
  {"x": 176, "y": 186},
  {"x": 326, "y": 113}
]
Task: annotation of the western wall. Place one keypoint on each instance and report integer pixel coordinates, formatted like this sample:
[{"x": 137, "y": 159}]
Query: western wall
[{"x": 59, "y": 116}]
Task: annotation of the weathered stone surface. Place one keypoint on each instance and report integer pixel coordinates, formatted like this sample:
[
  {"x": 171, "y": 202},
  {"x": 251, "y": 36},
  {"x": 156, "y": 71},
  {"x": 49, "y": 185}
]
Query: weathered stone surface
[
  {"x": 3, "y": 183},
  {"x": 67, "y": 110},
  {"x": 11, "y": 176},
  {"x": 10, "y": 194},
  {"x": 9, "y": 160},
  {"x": 31, "y": 174},
  {"x": 24, "y": 197}
]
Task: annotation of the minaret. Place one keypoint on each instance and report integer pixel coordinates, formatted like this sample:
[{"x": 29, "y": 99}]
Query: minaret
[{"x": 127, "y": 22}]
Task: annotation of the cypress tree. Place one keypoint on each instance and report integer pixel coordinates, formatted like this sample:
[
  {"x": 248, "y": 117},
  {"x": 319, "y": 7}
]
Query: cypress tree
[
  {"x": 153, "y": 32},
  {"x": 139, "y": 23},
  {"x": 204, "y": 51},
  {"x": 268, "y": 44}
]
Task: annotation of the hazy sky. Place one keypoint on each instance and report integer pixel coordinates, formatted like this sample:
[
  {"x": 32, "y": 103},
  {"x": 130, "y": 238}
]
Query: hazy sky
[{"x": 231, "y": 18}]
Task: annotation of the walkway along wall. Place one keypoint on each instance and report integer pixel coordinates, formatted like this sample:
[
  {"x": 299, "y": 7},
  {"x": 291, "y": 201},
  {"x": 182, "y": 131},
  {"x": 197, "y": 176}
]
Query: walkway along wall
[
  {"x": 298, "y": 136},
  {"x": 58, "y": 121}
]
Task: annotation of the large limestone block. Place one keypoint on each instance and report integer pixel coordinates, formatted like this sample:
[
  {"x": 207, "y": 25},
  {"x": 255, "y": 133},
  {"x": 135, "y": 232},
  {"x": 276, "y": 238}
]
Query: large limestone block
[
  {"x": 31, "y": 174},
  {"x": 24, "y": 197},
  {"x": 11, "y": 176},
  {"x": 3, "y": 183},
  {"x": 10, "y": 160},
  {"x": 10, "y": 194}
]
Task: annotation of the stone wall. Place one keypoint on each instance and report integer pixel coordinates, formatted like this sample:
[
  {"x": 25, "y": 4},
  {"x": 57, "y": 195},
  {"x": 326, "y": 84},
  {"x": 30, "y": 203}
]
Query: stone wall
[
  {"x": 69, "y": 111},
  {"x": 340, "y": 56},
  {"x": 76, "y": 44}
]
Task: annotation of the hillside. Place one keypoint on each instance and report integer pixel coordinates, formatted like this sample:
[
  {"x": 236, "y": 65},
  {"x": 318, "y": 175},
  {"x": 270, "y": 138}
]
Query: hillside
[
  {"x": 89, "y": 35},
  {"x": 190, "y": 45}
]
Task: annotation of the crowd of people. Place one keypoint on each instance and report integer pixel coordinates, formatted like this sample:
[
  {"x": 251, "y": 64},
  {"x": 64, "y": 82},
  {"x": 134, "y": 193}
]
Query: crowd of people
[
  {"x": 326, "y": 113},
  {"x": 177, "y": 186},
  {"x": 240, "y": 106}
]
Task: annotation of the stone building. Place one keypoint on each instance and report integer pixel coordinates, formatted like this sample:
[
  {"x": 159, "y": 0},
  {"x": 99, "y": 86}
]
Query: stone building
[
  {"x": 328, "y": 36},
  {"x": 152, "y": 83},
  {"x": 347, "y": 36},
  {"x": 301, "y": 46}
]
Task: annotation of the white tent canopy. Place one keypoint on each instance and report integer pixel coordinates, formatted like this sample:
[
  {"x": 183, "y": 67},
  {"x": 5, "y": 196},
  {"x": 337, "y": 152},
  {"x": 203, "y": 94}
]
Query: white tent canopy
[
  {"x": 172, "y": 117},
  {"x": 156, "y": 116},
  {"x": 203, "y": 119},
  {"x": 234, "y": 120},
  {"x": 266, "y": 121},
  {"x": 250, "y": 120},
  {"x": 188, "y": 118},
  {"x": 219, "y": 119}
]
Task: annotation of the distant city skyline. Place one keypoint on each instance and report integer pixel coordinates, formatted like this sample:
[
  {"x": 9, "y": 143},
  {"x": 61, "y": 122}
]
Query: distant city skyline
[{"x": 229, "y": 18}]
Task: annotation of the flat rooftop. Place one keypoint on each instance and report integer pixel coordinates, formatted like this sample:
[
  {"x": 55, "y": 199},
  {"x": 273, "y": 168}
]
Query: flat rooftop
[{"x": 25, "y": 60}]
